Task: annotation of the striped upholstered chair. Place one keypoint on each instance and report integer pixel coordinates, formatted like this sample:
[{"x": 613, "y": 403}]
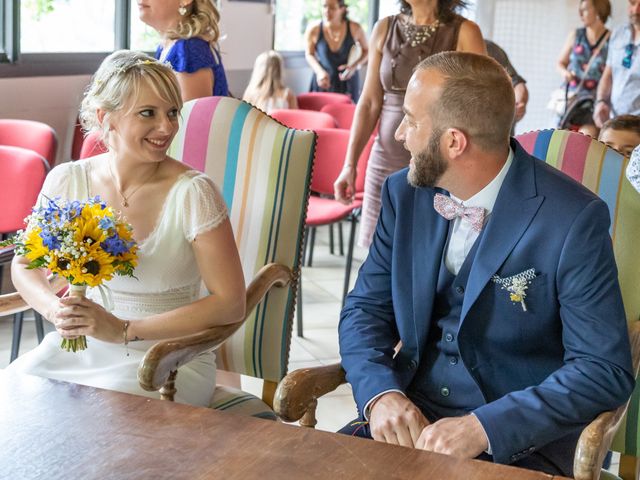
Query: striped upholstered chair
[
  {"x": 263, "y": 170},
  {"x": 601, "y": 169}
]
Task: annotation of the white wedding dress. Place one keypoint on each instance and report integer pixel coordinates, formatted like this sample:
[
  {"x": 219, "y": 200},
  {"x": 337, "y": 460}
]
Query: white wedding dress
[{"x": 167, "y": 278}]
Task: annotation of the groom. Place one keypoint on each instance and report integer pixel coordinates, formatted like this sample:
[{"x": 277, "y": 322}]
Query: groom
[{"x": 493, "y": 274}]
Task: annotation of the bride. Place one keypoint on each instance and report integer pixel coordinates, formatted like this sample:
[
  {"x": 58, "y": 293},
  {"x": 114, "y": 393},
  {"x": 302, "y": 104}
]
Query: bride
[{"x": 180, "y": 222}]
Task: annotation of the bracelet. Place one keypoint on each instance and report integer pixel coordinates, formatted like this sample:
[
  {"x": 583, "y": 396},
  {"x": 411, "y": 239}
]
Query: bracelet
[
  {"x": 125, "y": 329},
  {"x": 601, "y": 100}
]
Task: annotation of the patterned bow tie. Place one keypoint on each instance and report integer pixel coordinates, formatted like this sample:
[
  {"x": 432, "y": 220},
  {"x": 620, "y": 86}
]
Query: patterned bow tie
[{"x": 450, "y": 209}]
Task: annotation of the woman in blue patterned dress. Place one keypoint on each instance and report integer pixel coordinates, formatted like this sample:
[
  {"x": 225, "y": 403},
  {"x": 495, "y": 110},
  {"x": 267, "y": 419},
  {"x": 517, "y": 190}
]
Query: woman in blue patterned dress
[
  {"x": 576, "y": 55},
  {"x": 190, "y": 32}
]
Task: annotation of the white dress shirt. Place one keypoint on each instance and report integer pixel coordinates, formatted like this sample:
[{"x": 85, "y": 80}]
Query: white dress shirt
[{"x": 462, "y": 238}]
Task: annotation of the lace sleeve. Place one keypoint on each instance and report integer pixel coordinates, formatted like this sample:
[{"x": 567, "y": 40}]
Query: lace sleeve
[
  {"x": 204, "y": 207},
  {"x": 633, "y": 169}
]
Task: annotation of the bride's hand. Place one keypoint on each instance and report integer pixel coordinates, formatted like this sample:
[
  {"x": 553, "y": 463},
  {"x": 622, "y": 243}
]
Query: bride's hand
[{"x": 77, "y": 316}]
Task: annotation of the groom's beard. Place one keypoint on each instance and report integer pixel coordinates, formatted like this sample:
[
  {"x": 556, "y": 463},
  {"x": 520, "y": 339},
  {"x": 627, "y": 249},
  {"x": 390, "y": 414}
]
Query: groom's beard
[{"x": 429, "y": 165}]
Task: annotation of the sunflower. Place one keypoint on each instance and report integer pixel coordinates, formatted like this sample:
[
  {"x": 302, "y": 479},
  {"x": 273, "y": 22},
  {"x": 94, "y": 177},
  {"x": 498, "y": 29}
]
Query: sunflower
[
  {"x": 60, "y": 263},
  {"x": 94, "y": 268},
  {"x": 34, "y": 247},
  {"x": 87, "y": 231}
]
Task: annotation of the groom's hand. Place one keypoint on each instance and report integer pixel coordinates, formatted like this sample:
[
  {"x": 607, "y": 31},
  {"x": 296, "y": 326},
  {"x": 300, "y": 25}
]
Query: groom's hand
[
  {"x": 462, "y": 437},
  {"x": 395, "y": 419}
]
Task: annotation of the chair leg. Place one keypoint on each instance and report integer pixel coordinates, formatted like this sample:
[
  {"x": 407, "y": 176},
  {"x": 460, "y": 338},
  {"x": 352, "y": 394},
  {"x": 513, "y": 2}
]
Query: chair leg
[
  {"x": 39, "y": 326},
  {"x": 331, "y": 239},
  {"x": 340, "y": 238},
  {"x": 305, "y": 246},
  {"x": 312, "y": 243},
  {"x": 347, "y": 273},
  {"x": 17, "y": 334},
  {"x": 299, "y": 307}
]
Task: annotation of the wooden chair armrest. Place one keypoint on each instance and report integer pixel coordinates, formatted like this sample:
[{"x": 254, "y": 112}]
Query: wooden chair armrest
[
  {"x": 594, "y": 444},
  {"x": 297, "y": 393},
  {"x": 11, "y": 303},
  {"x": 168, "y": 355},
  {"x": 596, "y": 438}
]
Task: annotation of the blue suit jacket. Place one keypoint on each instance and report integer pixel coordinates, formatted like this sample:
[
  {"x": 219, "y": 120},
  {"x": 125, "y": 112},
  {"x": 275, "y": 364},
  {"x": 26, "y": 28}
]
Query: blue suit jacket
[{"x": 544, "y": 373}]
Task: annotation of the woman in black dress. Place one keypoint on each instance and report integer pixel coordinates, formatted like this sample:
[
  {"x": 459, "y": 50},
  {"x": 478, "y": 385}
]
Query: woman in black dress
[{"x": 329, "y": 43}]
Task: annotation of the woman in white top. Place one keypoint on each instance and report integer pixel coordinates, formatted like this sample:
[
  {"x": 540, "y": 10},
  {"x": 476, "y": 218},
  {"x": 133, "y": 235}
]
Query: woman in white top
[
  {"x": 266, "y": 88},
  {"x": 181, "y": 225}
]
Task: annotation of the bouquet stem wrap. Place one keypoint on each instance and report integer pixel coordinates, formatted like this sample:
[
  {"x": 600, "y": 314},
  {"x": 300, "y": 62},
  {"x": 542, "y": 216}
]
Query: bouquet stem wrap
[{"x": 78, "y": 343}]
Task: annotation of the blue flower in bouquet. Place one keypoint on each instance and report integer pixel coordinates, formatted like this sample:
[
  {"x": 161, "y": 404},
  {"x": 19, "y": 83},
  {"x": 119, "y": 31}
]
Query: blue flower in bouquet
[
  {"x": 107, "y": 223},
  {"x": 50, "y": 238},
  {"x": 114, "y": 245}
]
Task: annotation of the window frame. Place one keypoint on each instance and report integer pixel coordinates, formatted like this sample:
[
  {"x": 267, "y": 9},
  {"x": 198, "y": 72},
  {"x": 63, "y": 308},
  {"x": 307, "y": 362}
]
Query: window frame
[{"x": 14, "y": 64}]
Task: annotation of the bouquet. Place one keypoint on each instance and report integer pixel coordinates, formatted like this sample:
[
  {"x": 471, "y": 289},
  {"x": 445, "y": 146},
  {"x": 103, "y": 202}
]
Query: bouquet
[{"x": 85, "y": 242}]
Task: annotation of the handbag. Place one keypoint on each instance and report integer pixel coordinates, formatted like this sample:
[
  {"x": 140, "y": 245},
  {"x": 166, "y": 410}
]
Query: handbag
[{"x": 563, "y": 102}]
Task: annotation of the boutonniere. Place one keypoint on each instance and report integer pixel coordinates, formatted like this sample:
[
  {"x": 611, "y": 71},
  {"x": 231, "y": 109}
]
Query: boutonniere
[{"x": 516, "y": 285}]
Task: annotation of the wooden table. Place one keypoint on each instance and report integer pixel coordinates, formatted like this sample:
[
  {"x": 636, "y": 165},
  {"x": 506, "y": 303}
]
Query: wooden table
[{"x": 58, "y": 430}]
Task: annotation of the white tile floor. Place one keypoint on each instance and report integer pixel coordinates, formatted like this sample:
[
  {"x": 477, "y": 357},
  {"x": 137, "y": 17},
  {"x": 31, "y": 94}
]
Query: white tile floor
[{"x": 322, "y": 290}]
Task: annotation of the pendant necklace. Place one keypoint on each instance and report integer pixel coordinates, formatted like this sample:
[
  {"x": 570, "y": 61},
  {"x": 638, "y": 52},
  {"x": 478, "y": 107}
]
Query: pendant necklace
[{"x": 125, "y": 198}]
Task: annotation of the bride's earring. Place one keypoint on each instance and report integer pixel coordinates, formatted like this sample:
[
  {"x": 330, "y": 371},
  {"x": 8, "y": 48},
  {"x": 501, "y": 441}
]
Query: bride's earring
[{"x": 182, "y": 10}]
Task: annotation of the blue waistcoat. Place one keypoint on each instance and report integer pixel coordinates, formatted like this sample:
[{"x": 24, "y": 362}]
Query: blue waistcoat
[{"x": 443, "y": 387}]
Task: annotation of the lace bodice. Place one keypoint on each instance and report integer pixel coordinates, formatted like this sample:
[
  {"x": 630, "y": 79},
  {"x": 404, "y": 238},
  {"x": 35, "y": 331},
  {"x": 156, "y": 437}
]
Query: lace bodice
[{"x": 167, "y": 272}]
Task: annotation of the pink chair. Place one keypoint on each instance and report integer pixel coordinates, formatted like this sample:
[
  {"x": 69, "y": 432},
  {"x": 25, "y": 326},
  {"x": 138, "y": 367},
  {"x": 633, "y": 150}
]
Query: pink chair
[
  {"x": 92, "y": 146},
  {"x": 342, "y": 113},
  {"x": 36, "y": 136},
  {"x": 317, "y": 100},
  {"x": 22, "y": 173},
  {"x": 303, "y": 119}
]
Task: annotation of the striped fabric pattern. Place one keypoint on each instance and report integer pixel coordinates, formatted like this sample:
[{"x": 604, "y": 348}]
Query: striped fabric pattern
[
  {"x": 263, "y": 170},
  {"x": 241, "y": 403},
  {"x": 602, "y": 170}
]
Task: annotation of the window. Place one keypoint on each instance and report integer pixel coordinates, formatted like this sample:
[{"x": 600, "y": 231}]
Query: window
[
  {"x": 48, "y": 26},
  {"x": 293, "y": 17},
  {"x": 67, "y": 37}
]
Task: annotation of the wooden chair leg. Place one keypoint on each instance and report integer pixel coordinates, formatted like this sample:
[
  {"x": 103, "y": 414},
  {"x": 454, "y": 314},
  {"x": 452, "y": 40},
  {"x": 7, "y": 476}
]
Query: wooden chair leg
[
  {"x": 17, "y": 335},
  {"x": 347, "y": 273},
  {"x": 299, "y": 307},
  {"x": 39, "y": 326},
  {"x": 629, "y": 468},
  {"x": 312, "y": 243}
]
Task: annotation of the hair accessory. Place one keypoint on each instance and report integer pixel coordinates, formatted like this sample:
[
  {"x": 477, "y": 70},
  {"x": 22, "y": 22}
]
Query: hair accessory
[{"x": 182, "y": 10}]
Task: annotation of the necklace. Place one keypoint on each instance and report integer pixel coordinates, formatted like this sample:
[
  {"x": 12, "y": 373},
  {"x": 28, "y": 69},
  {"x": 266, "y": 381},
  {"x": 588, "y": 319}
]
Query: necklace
[
  {"x": 125, "y": 198},
  {"x": 418, "y": 34},
  {"x": 334, "y": 37}
]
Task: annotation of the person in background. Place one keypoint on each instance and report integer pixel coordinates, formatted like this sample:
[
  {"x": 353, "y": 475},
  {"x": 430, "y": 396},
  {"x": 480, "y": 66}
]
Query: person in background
[
  {"x": 577, "y": 53},
  {"x": 329, "y": 43},
  {"x": 621, "y": 133},
  {"x": 399, "y": 43},
  {"x": 619, "y": 89},
  {"x": 508, "y": 350},
  {"x": 184, "y": 237},
  {"x": 190, "y": 32},
  {"x": 266, "y": 89},
  {"x": 519, "y": 84}
]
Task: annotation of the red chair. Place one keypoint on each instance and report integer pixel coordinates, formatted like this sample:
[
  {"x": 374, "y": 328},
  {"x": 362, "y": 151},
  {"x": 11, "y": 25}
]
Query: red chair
[
  {"x": 36, "y": 136},
  {"x": 303, "y": 119},
  {"x": 342, "y": 113},
  {"x": 22, "y": 173},
  {"x": 92, "y": 146},
  {"x": 317, "y": 100},
  {"x": 331, "y": 148}
]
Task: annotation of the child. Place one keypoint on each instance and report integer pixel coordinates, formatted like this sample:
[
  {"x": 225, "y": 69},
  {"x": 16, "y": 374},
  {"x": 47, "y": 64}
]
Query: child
[
  {"x": 266, "y": 89},
  {"x": 621, "y": 133}
]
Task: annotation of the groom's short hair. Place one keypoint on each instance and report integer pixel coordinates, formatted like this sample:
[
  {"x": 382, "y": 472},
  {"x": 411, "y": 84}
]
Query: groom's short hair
[{"x": 477, "y": 97}]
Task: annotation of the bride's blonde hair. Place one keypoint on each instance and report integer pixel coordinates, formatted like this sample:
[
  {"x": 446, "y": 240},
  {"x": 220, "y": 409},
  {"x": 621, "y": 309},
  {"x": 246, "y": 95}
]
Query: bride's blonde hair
[
  {"x": 266, "y": 79},
  {"x": 117, "y": 84},
  {"x": 201, "y": 20}
]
